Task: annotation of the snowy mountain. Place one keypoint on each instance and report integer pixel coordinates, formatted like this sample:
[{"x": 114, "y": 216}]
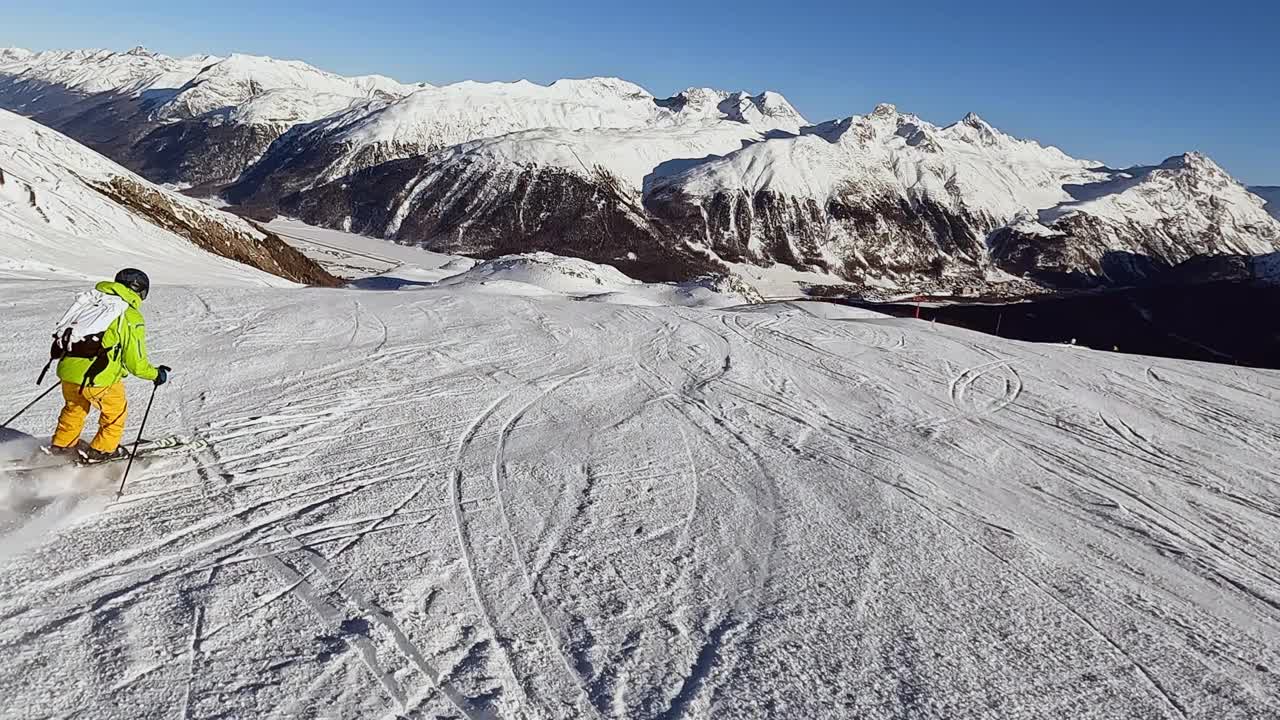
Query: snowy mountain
[
  {"x": 664, "y": 187},
  {"x": 877, "y": 197},
  {"x": 38, "y": 83},
  {"x": 189, "y": 121},
  {"x": 222, "y": 120},
  {"x": 1184, "y": 207},
  {"x": 887, "y": 201},
  {"x": 548, "y": 189},
  {"x": 889, "y": 198},
  {"x": 65, "y": 210},
  {"x": 225, "y": 85},
  {"x": 449, "y": 116}
]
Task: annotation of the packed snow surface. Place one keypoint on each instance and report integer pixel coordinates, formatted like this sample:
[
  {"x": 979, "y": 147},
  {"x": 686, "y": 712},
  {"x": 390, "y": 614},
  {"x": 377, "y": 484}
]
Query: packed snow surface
[
  {"x": 451, "y": 502},
  {"x": 54, "y": 221}
]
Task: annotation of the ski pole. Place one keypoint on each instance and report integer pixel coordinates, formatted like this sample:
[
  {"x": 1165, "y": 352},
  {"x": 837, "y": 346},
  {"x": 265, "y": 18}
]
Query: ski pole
[
  {"x": 138, "y": 441},
  {"x": 30, "y": 405}
]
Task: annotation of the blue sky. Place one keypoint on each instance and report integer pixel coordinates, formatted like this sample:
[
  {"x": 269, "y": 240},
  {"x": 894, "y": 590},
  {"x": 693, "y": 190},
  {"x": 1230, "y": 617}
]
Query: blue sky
[{"x": 1124, "y": 82}]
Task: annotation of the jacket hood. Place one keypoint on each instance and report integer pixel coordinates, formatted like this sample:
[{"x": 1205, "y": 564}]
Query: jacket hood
[{"x": 123, "y": 292}]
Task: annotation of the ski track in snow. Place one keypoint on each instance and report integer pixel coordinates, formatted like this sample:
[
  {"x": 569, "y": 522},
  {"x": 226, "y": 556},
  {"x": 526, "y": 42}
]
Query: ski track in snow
[{"x": 439, "y": 503}]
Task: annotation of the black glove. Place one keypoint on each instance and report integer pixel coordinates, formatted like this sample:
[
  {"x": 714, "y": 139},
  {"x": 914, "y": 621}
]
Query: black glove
[{"x": 162, "y": 375}]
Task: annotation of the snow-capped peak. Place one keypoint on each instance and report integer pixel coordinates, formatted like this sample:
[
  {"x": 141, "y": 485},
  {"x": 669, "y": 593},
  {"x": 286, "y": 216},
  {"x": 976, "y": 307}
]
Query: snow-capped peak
[
  {"x": 437, "y": 117},
  {"x": 8, "y": 55},
  {"x": 97, "y": 71},
  {"x": 450, "y": 114},
  {"x": 1188, "y": 196},
  {"x": 381, "y": 84},
  {"x": 1196, "y": 162},
  {"x": 888, "y": 156},
  {"x": 973, "y": 129},
  {"x": 200, "y": 84},
  {"x": 601, "y": 86},
  {"x": 766, "y": 111},
  {"x": 882, "y": 124},
  {"x": 228, "y": 83},
  {"x": 885, "y": 111}
]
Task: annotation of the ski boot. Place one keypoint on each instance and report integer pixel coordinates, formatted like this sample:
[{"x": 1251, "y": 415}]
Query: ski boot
[
  {"x": 90, "y": 456},
  {"x": 71, "y": 452}
]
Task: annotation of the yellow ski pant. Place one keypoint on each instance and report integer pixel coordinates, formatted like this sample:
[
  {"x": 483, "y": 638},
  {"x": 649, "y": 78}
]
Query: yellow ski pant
[{"x": 112, "y": 406}]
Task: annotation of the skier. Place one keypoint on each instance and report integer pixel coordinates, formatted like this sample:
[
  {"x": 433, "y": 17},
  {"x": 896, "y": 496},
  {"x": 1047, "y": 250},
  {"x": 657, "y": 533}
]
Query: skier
[{"x": 98, "y": 382}]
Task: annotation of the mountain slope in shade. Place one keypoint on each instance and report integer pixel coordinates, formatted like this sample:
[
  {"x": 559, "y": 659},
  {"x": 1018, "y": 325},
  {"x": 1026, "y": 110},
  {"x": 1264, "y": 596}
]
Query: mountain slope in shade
[
  {"x": 457, "y": 203},
  {"x": 65, "y": 210},
  {"x": 437, "y": 118},
  {"x": 1269, "y": 195}
]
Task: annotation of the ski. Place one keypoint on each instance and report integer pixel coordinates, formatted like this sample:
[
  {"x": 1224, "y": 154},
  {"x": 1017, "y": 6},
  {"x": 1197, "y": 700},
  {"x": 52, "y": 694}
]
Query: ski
[
  {"x": 46, "y": 459},
  {"x": 149, "y": 448}
]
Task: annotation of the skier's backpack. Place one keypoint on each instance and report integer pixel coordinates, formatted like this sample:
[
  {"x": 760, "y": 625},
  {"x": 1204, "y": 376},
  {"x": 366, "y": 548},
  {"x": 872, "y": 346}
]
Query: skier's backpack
[{"x": 80, "y": 331}]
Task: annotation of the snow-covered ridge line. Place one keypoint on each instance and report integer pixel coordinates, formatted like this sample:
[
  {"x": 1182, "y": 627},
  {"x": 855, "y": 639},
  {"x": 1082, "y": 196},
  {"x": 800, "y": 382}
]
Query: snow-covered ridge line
[
  {"x": 569, "y": 124},
  {"x": 67, "y": 211},
  {"x": 98, "y": 71},
  {"x": 183, "y": 121},
  {"x": 140, "y": 70},
  {"x": 214, "y": 83},
  {"x": 205, "y": 120}
]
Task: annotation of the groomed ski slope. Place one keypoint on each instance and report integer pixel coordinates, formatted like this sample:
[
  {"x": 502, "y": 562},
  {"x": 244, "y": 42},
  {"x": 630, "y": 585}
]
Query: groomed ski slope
[{"x": 449, "y": 503}]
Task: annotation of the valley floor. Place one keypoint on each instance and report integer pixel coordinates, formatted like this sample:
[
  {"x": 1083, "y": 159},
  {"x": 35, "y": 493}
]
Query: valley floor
[{"x": 449, "y": 503}]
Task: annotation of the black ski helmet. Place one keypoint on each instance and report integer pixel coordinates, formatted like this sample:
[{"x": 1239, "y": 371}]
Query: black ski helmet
[{"x": 135, "y": 280}]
